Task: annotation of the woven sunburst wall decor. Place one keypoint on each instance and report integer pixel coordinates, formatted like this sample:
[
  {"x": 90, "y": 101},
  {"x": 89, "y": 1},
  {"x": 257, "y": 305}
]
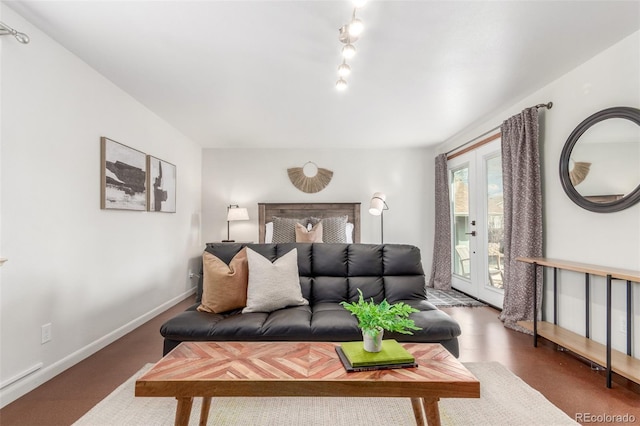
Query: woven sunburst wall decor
[
  {"x": 310, "y": 178},
  {"x": 579, "y": 172}
]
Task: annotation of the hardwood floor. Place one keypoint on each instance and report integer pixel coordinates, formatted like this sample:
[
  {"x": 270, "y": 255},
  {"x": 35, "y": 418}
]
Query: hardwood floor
[{"x": 567, "y": 382}]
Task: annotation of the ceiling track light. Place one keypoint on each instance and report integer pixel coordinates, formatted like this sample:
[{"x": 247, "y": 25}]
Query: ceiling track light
[
  {"x": 356, "y": 26},
  {"x": 347, "y": 35},
  {"x": 344, "y": 69},
  {"x": 7, "y": 30},
  {"x": 348, "y": 51}
]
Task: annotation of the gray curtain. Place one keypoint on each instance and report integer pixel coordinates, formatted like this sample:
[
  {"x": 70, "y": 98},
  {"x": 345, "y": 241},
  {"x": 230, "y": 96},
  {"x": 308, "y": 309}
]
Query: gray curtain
[
  {"x": 441, "y": 266},
  {"x": 522, "y": 216}
]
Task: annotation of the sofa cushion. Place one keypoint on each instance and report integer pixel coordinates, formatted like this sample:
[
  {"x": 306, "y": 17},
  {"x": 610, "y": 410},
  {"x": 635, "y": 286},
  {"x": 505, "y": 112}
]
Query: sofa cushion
[
  {"x": 400, "y": 259},
  {"x": 332, "y": 322},
  {"x": 330, "y": 260},
  {"x": 403, "y": 287},
  {"x": 371, "y": 287},
  {"x": 329, "y": 289},
  {"x": 365, "y": 260},
  {"x": 224, "y": 287},
  {"x": 274, "y": 285}
]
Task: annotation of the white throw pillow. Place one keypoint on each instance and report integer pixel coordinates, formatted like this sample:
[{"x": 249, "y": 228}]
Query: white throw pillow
[
  {"x": 274, "y": 285},
  {"x": 349, "y": 230},
  {"x": 268, "y": 232}
]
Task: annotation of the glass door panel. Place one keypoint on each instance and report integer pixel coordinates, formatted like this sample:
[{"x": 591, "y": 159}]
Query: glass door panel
[
  {"x": 477, "y": 219},
  {"x": 460, "y": 207},
  {"x": 463, "y": 225},
  {"x": 495, "y": 221}
]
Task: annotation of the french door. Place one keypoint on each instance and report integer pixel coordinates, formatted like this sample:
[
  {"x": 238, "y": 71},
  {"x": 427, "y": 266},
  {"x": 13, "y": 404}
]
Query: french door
[{"x": 477, "y": 218}]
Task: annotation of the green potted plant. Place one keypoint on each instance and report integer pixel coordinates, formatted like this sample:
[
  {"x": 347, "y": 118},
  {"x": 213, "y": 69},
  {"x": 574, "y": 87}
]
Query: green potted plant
[{"x": 374, "y": 318}]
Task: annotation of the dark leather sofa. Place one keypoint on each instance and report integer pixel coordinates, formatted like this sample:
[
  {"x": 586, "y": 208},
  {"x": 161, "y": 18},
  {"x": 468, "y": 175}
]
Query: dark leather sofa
[{"x": 329, "y": 274}]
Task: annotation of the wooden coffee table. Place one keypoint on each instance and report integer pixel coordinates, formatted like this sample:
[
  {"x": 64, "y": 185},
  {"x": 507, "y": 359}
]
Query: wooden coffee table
[{"x": 254, "y": 369}]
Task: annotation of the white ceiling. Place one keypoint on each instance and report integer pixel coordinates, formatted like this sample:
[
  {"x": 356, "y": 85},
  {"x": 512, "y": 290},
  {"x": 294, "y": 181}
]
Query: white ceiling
[{"x": 262, "y": 73}]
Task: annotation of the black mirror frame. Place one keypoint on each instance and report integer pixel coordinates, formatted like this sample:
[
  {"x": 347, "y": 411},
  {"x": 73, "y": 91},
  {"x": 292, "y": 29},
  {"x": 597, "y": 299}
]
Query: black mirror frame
[{"x": 629, "y": 113}]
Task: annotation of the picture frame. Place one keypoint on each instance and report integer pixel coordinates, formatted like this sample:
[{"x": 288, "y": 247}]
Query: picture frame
[
  {"x": 161, "y": 184},
  {"x": 123, "y": 177}
]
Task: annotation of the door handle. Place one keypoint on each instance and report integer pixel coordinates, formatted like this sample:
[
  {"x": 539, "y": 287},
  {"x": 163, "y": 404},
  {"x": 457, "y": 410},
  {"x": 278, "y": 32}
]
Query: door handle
[{"x": 472, "y": 233}]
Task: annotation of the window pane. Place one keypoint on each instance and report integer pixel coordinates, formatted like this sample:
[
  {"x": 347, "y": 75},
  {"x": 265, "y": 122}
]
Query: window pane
[
  {"x": 495, "y": 218},
  {"x": 460, "y": 197}
]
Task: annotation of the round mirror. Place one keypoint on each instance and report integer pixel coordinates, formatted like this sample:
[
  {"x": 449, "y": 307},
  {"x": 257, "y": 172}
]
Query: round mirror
[{"x": 600, "y": 162}]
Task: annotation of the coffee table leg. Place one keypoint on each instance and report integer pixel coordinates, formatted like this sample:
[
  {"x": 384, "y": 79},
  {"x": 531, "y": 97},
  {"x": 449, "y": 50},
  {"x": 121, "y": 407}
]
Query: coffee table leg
[
  {"x": 183, "y": 411},
  {"x": 416, "y": 404},
  {"x": 432, "y": 411},
  {"x": 204, "y": 412}
]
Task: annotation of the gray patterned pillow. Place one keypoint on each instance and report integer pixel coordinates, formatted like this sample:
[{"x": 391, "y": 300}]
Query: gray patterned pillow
[
  {"x": 284, "y": 229},
  {"x": 334, "y": 229}
]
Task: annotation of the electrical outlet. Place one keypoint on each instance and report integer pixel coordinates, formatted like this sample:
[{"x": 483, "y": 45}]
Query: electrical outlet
[
  {"x": 46, "y": 333},
  {"x": 623, "y": 324}
]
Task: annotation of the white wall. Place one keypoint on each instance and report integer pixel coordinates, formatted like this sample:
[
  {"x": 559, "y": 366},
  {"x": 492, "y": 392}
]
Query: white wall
[
  {"x": 249, "y": 176},
  {"x": 93, "y": 274},
  {"x": 1, "y": 256},
  {"x": 571, "y": 233}
]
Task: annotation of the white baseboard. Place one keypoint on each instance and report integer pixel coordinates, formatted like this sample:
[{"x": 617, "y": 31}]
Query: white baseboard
[{"x": 31, "y": 381}]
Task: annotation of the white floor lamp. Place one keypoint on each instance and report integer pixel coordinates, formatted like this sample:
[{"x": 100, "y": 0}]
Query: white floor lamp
[{"x": 377, "y": 207}]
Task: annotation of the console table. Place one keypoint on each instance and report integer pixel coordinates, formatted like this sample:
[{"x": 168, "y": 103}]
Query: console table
[{"x": 618, "y": 362}]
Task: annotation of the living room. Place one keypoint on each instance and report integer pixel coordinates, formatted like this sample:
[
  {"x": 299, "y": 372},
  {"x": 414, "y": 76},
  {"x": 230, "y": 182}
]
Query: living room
[{"x": 98, "y": 275}]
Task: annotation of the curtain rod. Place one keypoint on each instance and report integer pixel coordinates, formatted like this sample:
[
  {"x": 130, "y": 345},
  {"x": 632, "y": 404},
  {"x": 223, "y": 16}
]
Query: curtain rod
[{"x": 548, "y": 105}]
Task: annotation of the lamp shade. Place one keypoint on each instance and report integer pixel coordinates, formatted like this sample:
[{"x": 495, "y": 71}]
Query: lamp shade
[
  {"x": 377, "y": 203},
  {"x": 237, "y": 213}
]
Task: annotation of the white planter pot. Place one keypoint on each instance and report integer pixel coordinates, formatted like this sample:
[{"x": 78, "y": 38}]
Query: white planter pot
[{"x": 372, "y": 344}]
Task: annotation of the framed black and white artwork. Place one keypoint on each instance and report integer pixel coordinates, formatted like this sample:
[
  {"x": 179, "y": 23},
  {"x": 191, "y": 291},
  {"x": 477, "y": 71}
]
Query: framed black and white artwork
[
  {"x": 161, "y": 185},
  {"x": 123, "y": 177}
]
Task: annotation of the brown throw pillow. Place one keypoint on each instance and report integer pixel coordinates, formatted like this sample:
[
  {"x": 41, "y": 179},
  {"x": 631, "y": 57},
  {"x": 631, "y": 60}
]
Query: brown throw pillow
[
  {"x": 224, "y": 287},
  {"x": 313, "y": 236}
]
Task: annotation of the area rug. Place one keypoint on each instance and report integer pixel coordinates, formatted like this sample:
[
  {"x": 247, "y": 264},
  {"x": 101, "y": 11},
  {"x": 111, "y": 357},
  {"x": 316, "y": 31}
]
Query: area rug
[
  {"x": 505, "y": 400},
  {"x": 451, "y": 298}
]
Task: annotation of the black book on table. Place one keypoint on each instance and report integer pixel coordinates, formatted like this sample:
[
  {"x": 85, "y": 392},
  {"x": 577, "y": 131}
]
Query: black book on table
[{"x": 350, "y": 368}]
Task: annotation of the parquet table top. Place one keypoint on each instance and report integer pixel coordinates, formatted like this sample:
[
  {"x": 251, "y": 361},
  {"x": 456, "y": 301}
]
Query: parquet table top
[
  {"x": 234, "y": 369},
  {"x": 224, "y": 369}
]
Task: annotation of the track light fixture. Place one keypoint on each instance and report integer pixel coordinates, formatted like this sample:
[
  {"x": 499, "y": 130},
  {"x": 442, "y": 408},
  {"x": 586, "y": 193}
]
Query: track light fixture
[
  {"x": 344, "y": 69},
  {"x": 7, "y": 30},
  {"x": 349, "y": 34},
  {"x": 348, "y": 51},
  {"x": 355, "y": 27}
]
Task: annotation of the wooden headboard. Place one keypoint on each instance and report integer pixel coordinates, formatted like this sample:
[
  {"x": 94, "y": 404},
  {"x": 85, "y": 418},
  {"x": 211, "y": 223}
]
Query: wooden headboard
[{"x": 301, "y": 210}]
